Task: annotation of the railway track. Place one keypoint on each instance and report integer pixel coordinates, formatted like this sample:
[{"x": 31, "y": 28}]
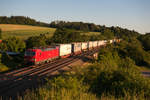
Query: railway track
[{"x": 21, "y": 79}]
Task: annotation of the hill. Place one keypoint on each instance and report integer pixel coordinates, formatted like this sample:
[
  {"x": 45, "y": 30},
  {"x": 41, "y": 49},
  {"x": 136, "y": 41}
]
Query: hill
[
  {"x": 79, "y": 26},
  {"x": 24, "y": 31}
]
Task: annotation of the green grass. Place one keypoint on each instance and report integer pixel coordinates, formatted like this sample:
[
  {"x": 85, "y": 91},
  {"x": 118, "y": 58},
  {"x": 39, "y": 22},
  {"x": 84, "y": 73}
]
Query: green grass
[
  {"x": 90, "y": 33},
  {"x": 24, "y": 31},
  {"x": 3, "y": 68},
  {"x": 143, "y": 68}
]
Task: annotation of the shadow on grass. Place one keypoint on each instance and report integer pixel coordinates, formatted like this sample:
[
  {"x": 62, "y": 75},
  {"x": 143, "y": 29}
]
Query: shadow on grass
[{"x": 12, "y": 62}]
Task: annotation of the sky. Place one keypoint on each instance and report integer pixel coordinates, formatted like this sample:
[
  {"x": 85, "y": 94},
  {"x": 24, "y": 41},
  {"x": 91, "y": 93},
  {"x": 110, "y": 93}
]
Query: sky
[{"x": 131, "y": 14}]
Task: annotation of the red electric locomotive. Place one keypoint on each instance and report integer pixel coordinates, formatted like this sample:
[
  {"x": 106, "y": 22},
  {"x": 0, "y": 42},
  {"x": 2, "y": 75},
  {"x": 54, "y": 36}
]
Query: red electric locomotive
[{"x": 39, "y": 55}]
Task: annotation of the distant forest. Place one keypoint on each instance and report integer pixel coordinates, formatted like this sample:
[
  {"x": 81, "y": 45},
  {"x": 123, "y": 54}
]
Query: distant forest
[
  {"x": 86, "y": 27},
  {"x": 21, "y": 20}
]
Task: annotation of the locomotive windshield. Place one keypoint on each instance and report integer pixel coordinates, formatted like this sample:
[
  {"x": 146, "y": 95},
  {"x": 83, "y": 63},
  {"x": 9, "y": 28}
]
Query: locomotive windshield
[{"x": 29, "y": 53}]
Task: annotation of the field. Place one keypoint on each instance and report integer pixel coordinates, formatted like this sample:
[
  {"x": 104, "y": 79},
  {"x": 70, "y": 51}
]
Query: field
[
  {"x": 90, "y": 33},
  {"x": 24, "y": 31}
]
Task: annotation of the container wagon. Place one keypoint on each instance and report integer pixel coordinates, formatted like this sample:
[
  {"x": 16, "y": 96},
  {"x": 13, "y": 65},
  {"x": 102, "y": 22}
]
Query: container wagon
[
  {"x": 64, "y": 50},
  {"x": 101, "y": 43},
  {"x": 110, "y": 41},
  {"x": 40, "y": 55},
  {"x": 84, "y": 46},
  {"x": 94, "y": 44},
  {"x": 105, "y": 42},
  {"x": 90, "y": 43},
  {"x": 76, "y": 48}
]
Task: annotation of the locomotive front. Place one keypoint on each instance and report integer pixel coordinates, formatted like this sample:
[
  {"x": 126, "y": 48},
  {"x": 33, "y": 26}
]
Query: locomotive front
[{"x": 30, "y": 56}]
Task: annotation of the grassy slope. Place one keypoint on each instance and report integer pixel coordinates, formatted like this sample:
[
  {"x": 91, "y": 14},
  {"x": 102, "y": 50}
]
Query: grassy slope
[
  {"x": 24, "y": 31},
  {"x": 90, "y": 33}
]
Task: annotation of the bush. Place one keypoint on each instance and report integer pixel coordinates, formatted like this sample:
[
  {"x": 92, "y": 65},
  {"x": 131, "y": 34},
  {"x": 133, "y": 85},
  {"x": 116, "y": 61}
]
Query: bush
[
  {"x": 36, "y": 41},
  {"x": 63, "y": 35},
  {"x": 131, "y": 49},
  {"x": 0, "y": 34},
  {"x": 119, "y": 82},
  {"x": 2, "y": 67},
  {"x": 66, "y": 82},
  {"x": 116, "y": 75},
  {"x": 61, "y": 88},
  {"x": 12, "y": 44},
  {"x": 145, "y": 40},
  {"x": 12, "y": 62}
]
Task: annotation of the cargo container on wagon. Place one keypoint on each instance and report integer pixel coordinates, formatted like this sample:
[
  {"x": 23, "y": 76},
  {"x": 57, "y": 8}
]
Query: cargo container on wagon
[
  {"x": 90, "y": 44},
  {"x": 101, "y": 43},
  {"x": 64, "y": 50},
  {"x": 98, "y": 43},
  {"x": 84, "y": 46},
  {"x": 106, "y": 42},
  {"x": 94, "y": 44},
  {"x": 110, "y": 41},
  {"x": 76, "y": 47}
]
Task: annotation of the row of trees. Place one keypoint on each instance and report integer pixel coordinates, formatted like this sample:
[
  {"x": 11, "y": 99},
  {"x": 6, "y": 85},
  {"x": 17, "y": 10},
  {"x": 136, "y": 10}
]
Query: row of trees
[
  {"x": 75, "y": 25},
  {"x": 21, "y": 20},
  {"x": 145, "y": 40},
  {"x": 116, "y": 31},
  {"x": 107, "y": 31},
  {"x": 63, "y": 35},
  {"x": 0, "y": 34}
]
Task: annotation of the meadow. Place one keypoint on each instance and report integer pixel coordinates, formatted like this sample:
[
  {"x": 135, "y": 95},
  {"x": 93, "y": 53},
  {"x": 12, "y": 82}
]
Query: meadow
[
  {"x": 24, "y": 31},
  {"x": 90, "y": 33}
]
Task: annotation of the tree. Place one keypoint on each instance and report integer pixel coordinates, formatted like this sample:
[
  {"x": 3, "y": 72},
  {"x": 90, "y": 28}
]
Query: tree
[
  {"x": 0, "y": 34},
  {"x": 108, "y": 33},
  {"x": 12, "y": 44},
  {"x": 63, "y": 35},
  {"x": 75, "y": 25},
  {"x": 145, "y": 40},
  {"x": 134, "y": 49},
  {"x": 21, "y": 20},
  {"x": 36, "y": 41}
]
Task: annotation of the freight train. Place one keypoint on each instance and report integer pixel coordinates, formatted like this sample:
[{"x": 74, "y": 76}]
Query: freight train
[{"x": 47, "y": 54}]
